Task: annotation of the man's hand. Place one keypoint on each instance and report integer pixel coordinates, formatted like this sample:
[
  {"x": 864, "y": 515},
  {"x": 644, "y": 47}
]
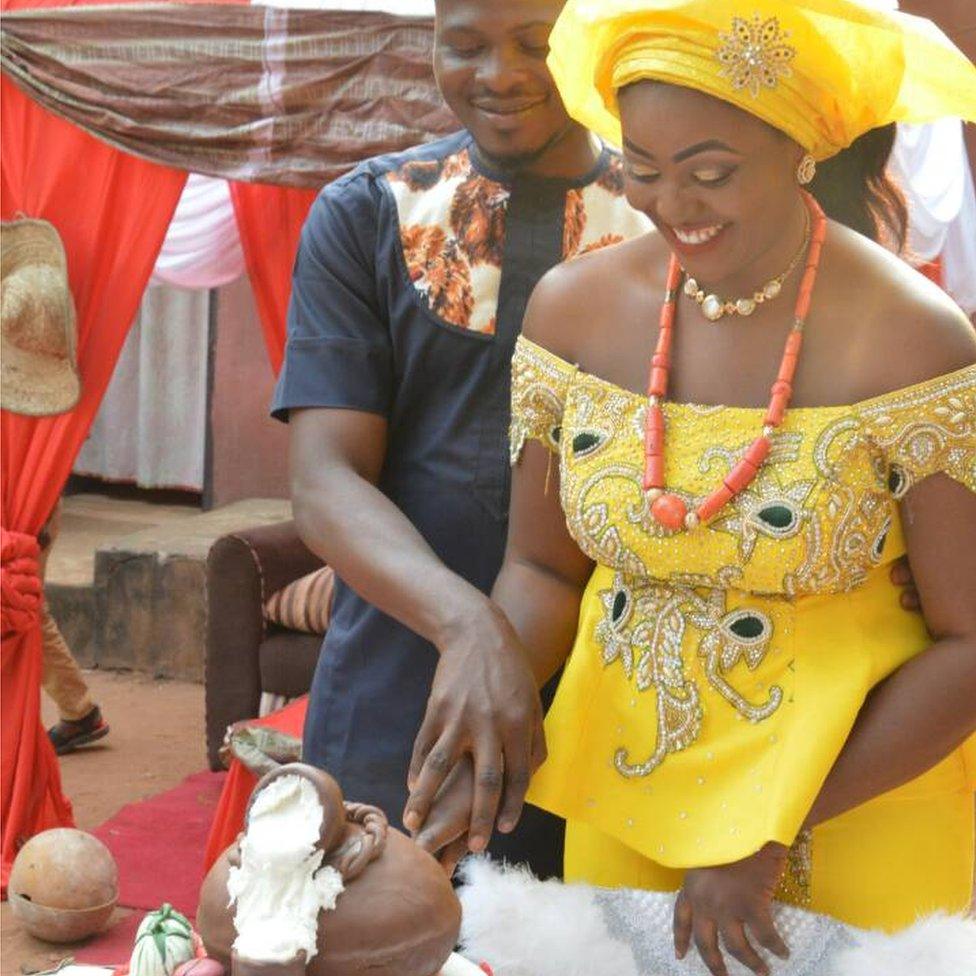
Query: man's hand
[
  {"x": 901, "y": 575},
  {"x": 484, "y": 702},
  {"x": 727, "y": 901}
]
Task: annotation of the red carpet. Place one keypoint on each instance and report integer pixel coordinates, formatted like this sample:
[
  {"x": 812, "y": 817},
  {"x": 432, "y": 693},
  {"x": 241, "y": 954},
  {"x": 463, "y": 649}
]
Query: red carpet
[
  {"x": 111, "y": 947},
  {"x": 158, "y": 844}
]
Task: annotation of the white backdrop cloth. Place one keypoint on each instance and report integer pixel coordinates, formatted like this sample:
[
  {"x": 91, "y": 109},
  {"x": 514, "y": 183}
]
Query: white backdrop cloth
[
  {"x": 959, "y": 254},
  {"x": 202, "y": 248},
  {"x": 930, "y": 163},
  {"x": 151, "y": 426}
]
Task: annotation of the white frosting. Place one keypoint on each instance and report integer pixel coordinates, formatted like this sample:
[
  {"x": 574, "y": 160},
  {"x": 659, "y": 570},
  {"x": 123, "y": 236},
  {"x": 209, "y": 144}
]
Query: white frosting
[{"x": 281, "y": 886}]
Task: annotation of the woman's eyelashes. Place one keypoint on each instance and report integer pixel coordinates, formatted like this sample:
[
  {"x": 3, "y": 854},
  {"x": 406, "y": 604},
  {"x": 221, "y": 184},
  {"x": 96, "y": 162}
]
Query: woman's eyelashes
[
  {"x": 713, "y": 175},
  {"x": 641, "y": 173},
  {"x": 709, "y": 176}
]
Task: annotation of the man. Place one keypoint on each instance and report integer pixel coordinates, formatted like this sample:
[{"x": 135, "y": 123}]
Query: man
[
  {"x": 409, "y": 290},
  {"x": 80, "y": 720}
]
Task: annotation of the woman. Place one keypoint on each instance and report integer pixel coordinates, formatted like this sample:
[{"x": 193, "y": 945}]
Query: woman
[{"x": 742, "y": 671}]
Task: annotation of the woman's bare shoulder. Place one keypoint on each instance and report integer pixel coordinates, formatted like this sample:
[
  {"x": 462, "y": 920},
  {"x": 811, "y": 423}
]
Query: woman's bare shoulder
[
  {"x": 586, "y": 293},
  {"x": 899, "y": 328}
]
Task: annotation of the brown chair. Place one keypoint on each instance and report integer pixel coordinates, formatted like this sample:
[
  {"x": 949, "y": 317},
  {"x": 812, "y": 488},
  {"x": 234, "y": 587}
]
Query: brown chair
[{"x": 246, "y": 656}]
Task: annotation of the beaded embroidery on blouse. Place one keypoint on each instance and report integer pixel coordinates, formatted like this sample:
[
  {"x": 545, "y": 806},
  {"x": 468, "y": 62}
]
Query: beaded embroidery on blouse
[
  {"x": 645, "y": 627},
  {"x": 816, "y": 520}
]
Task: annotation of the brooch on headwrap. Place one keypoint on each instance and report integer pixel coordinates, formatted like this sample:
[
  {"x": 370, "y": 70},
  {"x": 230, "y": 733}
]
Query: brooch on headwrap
[{"x": 754, "y": 54}]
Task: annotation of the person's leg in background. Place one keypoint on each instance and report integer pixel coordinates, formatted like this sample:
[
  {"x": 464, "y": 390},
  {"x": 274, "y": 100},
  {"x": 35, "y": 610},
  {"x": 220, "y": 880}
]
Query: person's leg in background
[{"x": 81, "y": 719}]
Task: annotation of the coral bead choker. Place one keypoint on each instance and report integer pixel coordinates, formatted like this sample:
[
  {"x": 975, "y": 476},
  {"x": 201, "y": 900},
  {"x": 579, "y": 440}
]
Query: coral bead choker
[
  {"x": 714, "y": 309},
  {"x": 668, "y": 509}
]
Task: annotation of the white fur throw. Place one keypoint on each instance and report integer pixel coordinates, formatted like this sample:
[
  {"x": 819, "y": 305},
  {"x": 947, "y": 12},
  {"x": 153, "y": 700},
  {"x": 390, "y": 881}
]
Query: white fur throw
[{"x": 522, "y": 926}]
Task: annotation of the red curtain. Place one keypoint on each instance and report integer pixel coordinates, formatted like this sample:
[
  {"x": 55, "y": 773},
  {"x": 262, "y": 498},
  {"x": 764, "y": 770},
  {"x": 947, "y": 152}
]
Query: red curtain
[
  {"x": 112, "y": 212},
  {"x": 270, "y": 220}
]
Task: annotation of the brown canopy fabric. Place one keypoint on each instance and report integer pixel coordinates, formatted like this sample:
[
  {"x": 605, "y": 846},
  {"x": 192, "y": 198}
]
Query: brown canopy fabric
[{"x": 258, "y": 94}]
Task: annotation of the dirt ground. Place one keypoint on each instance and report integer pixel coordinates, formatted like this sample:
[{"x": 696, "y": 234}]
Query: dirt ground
[{"x": 156, "y": 741}]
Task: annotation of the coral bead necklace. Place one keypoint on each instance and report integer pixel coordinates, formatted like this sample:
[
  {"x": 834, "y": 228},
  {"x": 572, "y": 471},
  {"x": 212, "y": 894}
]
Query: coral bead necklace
[{"x": 667, "y": 508}]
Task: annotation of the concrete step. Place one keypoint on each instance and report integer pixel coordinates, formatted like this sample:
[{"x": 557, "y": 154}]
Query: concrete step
[
  {"x": 73, "y": 606},
  {"x": 145, "y": 608},
  {"x": 89, "y": 521}
]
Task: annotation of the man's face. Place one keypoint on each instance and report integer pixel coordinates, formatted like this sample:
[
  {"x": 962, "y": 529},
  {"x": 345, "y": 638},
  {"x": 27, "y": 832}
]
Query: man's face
[{"x": 490, "y": 64}]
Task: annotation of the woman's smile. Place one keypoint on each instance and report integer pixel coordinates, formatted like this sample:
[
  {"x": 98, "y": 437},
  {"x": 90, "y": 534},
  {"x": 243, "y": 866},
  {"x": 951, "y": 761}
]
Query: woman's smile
[{"x": 693, "y": 239}]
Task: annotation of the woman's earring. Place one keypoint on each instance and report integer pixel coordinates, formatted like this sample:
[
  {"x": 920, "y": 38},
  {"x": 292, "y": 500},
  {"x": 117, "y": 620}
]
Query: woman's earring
[{"x": 807, "y": 170}]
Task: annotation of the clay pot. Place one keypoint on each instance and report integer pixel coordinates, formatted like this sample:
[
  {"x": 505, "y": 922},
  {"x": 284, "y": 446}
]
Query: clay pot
[
  {"x": 215, "y": 920},
  {"x": 330, "y": 796},
  {"x": 248, "y": 967},
  {"x": 399, "y": 917},
  {"x": 63, "y": 885}
]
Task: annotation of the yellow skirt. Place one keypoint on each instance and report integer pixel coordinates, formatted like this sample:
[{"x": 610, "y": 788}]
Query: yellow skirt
[{"x": 879, "y": 866}]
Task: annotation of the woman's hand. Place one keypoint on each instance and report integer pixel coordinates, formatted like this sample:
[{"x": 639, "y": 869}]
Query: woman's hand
[
  {"x": 724, "y": 902},
  {"x": 445, "y": 832},
  {"x": 484, "y": 702}
]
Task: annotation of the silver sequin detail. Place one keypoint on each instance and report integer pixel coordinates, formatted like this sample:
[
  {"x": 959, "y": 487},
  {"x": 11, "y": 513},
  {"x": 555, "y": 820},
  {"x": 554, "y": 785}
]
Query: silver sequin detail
[{"x": 642, "y": 920}]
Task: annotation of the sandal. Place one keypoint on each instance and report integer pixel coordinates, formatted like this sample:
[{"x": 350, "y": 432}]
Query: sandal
[{"x": 71, "y": 734}]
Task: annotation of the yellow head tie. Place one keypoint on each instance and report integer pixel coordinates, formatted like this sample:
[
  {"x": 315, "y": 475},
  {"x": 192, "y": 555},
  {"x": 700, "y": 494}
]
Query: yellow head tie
[{"x": 822, "y": 71}]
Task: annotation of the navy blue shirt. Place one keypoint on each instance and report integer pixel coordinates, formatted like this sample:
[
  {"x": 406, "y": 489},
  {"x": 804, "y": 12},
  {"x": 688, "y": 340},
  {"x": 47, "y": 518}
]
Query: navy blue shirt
[{"x": 409, "y": 288}]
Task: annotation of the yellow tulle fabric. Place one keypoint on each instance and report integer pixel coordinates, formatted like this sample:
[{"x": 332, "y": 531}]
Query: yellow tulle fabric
[
  {"x": 822, "y": 71},
  {"x": 717, "y": 672}
]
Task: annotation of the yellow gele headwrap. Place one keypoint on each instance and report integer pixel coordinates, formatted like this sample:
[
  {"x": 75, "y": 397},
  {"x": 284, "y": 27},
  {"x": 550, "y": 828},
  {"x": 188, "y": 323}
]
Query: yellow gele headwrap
[{"x": 822, "y": 71}]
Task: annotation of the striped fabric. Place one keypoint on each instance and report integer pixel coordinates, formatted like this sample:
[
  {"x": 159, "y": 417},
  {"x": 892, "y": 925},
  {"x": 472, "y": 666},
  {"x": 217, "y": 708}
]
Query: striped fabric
[
  {"x": 252, "y": 93},
  {"x": 305, "y": 604}
]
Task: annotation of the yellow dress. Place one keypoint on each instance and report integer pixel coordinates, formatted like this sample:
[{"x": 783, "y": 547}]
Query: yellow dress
[{"x": 717, "y": 672}]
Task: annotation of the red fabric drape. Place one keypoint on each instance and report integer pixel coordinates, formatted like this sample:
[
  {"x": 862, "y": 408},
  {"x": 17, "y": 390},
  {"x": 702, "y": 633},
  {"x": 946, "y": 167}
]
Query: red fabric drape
[
  {"x": 270, "y": 220},
  {"x": 228, "y": 821},
  {"x": 112, "y": 212},
  {"x": 933, "y": 271}
]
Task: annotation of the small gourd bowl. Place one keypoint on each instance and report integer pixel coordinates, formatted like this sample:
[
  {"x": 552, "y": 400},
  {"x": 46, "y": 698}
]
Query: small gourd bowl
[{"x": 60, "y": 925}]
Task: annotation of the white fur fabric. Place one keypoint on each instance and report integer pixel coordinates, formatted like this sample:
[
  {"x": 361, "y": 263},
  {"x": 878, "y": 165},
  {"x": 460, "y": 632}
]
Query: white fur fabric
[
  {"x": 522, "y": 926},
  {"x": 940, "y": 945}
]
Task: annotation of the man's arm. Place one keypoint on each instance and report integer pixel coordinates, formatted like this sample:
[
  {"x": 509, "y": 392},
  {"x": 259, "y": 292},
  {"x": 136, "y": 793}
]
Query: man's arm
[
  {"x": 336, "y": 459},
  {"x": 539, "y": 589},
  {"x": 335, "y": 389}
]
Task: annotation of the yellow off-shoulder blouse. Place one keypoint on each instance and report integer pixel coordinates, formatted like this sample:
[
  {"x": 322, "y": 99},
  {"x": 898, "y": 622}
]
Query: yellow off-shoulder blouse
[{"x": 717, "y": 672}]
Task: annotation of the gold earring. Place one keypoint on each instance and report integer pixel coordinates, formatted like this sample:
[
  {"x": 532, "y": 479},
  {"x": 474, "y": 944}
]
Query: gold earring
[{"x": 807, "y": 170}]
